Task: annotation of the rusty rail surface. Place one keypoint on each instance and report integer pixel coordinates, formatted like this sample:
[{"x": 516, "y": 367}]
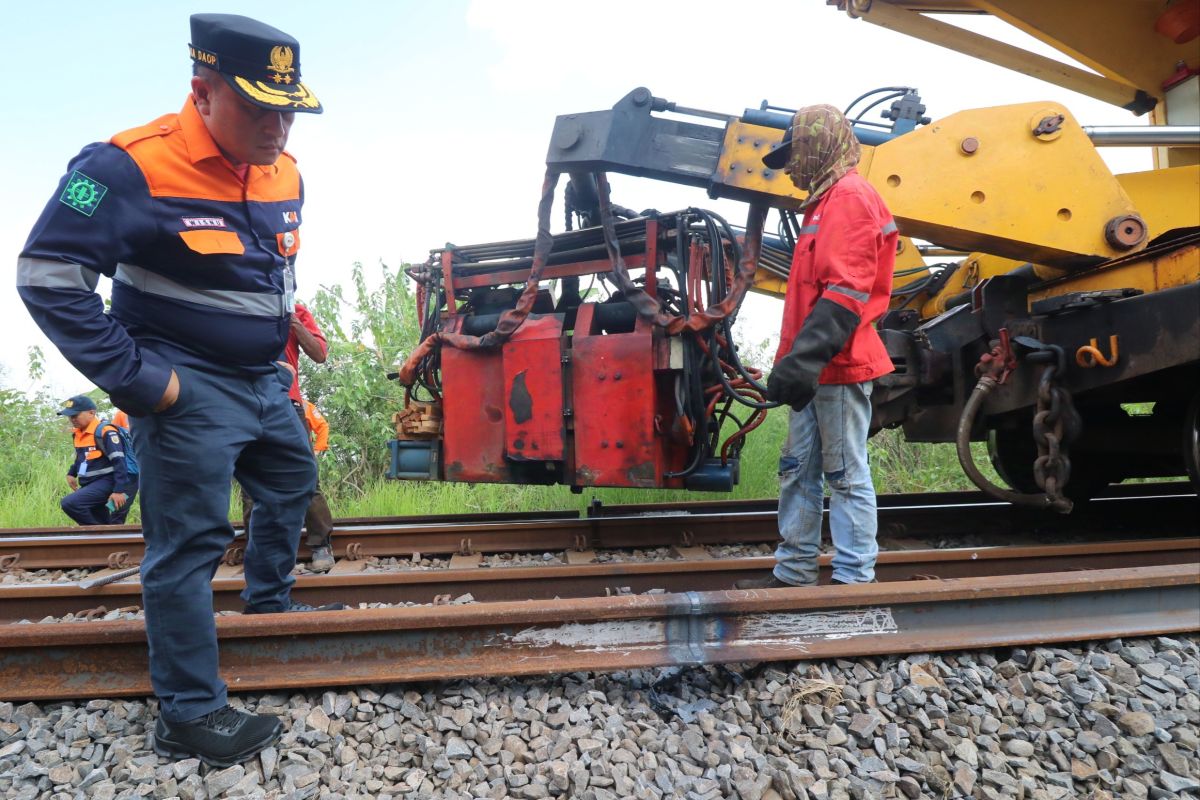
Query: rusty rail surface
[
  {"x": 35, "y": 601},
  {"x": 1125, "y": 517},
  {"x": 108, "y": 659}
]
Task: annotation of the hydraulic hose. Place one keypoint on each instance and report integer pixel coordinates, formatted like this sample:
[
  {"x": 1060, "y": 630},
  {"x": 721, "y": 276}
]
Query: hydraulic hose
[{"x": 962, "y": 442}]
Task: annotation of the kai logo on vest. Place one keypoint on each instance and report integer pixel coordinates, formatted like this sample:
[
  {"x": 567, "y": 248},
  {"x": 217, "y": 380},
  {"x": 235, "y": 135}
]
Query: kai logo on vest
[{"x": 290, "y": 217}]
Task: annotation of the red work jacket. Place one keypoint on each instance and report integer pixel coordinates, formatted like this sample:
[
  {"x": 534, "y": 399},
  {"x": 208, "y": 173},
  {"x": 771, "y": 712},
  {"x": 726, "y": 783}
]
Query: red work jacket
[
  {"x": 291, "y": 352},
  {"x": 846, "y": 252}
]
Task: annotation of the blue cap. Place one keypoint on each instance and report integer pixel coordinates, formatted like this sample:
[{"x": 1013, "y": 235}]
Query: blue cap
[
  {"x": 260, "y": 62},
  {"x": 73, "y": 405}
]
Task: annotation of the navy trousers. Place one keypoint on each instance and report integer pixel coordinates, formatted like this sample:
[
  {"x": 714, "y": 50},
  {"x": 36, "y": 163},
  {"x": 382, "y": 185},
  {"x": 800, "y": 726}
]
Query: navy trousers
[
  {"x": 86, "y": 505},
  {"x": 222, "y": 427}
]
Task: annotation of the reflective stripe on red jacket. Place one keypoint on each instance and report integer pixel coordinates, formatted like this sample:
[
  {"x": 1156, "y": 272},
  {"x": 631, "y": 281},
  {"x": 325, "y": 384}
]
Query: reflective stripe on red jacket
[{"x": 846, "y": 251}]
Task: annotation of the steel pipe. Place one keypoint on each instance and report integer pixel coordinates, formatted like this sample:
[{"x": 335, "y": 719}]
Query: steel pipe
[{"x": 1143, "y": 135}]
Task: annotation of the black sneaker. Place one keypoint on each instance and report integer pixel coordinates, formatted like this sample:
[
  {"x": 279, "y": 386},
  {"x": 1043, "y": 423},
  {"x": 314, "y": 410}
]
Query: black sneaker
[
  {"x": 220, "y": 739},
  {"x": 295, "y": 607}
]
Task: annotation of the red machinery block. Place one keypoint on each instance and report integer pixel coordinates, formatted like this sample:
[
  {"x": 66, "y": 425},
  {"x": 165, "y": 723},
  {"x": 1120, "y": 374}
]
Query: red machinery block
[
  {"x": 473, "y": 411},
  {"x": 533, "y": 387},
  {"x": 614, "y": 406}
]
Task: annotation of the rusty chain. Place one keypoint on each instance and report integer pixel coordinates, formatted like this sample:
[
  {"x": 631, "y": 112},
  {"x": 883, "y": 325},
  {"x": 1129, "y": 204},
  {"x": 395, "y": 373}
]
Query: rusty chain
[{"x": 1056, "y": 424}]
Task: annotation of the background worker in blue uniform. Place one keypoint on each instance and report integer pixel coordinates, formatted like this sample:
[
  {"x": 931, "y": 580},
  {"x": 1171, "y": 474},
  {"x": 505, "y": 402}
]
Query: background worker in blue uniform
[
  {"x": 195, "y": 217},
  {"x": 98, "y": 476}
]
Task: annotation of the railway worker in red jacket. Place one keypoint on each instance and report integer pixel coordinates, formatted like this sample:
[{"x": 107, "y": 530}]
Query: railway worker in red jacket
[
  {"x": 829, "y": 352},
  {"x": 305, "y": 335},
  {"x": 195, "y": 217}
]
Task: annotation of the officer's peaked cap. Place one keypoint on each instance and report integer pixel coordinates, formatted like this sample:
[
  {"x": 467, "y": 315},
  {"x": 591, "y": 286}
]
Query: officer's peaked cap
[{"x": 261, "y": 63}]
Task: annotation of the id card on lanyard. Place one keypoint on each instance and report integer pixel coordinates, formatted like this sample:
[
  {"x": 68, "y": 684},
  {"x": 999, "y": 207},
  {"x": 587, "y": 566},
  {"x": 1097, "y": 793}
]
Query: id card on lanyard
[
  {"x": 288, "y": 243},
  {"x": 289, "y": 290}
]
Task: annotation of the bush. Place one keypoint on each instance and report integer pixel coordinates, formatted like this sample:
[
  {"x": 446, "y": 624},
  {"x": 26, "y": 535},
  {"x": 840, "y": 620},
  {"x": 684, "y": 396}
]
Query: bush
[{"x": 351, "y": 388}]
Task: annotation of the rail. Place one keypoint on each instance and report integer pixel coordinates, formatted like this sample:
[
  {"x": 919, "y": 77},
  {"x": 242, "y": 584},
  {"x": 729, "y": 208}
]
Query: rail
[{"x": 109, "y": 659}]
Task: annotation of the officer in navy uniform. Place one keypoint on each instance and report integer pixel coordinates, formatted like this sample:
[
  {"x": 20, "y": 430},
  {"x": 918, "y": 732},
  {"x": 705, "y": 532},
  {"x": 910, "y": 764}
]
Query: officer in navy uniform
[
  {"x": 195, "y": 217},
  {"x": 101, "y": 486}
]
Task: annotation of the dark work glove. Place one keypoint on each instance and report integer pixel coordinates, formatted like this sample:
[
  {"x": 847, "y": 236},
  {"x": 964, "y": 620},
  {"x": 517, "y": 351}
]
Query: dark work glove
[{"x": 824, "y": 333}]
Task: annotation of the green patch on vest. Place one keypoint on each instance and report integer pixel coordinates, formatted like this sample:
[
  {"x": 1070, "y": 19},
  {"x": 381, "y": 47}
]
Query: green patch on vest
[{"x": 83, "y": 193}]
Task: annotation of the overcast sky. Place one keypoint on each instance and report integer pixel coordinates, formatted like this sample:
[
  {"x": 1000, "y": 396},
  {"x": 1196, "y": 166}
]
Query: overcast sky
[{"x": 438, "y": 115}]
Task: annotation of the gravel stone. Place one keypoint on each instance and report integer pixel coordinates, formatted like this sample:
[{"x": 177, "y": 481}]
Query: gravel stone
[
  {"x": 1098, "y": 721},
  {"x": 1136, "y": 723},
  {"x": 1178, "y": 783},
  {"x": 457, "y": 748},
  {"x": 216, "y": 783},
  {"x": 185, "y": 768}
]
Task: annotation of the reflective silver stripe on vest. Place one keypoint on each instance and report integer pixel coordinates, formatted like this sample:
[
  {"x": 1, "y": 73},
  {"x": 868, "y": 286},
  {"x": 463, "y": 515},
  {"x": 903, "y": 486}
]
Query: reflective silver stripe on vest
[
  {"x": 861, "y": 297},
  {"x": 111, "y": 456},
  {"x": 51, "y": 274},
  {"x": 886, "y": 229},
  {"x": 91, "y": 474},
  {"x": 807, "y": 229},
  {"x": 261, "y": 304}
]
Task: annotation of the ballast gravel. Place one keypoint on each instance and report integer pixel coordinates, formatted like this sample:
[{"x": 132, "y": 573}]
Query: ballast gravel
[{"x": 1115, "y": 719}]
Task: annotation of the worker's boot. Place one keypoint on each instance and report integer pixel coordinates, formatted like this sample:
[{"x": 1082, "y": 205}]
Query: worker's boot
[
  {"x": 295, "y": 608},
  {"x": 769, "y": 582},
  {"x": 322, "y": 559},
  {"x": 221, "y": 739}
]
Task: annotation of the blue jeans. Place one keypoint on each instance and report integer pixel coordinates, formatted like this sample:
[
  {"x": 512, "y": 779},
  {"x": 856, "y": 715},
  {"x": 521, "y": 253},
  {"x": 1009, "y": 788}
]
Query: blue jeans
[
  {"x": 222, "y": 426},
  {"x": 827, "y": 444}
]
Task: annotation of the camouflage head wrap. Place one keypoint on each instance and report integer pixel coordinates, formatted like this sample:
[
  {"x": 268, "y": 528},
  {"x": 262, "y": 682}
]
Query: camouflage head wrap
[{"x": 823, "y": 149}]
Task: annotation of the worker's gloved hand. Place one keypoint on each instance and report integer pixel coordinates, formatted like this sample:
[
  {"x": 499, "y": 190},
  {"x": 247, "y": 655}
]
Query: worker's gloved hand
[
  {"x": 791, "y": 384},
  {"x": 825, "y": 332}
]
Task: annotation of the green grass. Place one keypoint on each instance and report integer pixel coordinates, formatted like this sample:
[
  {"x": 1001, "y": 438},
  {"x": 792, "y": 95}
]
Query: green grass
[
  {"x": 897, "y": 466},
  {"x": 33, "y": 503}
]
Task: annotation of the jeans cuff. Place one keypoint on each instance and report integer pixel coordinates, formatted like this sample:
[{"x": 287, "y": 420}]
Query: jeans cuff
[{"x": 793, "y": 577}]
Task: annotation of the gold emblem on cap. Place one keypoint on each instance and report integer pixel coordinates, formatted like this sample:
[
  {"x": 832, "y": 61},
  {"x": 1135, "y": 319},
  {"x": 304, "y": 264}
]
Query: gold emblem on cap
[
  {"x": 281, "y": 63},
  {"x": 69, "y": 403}
]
